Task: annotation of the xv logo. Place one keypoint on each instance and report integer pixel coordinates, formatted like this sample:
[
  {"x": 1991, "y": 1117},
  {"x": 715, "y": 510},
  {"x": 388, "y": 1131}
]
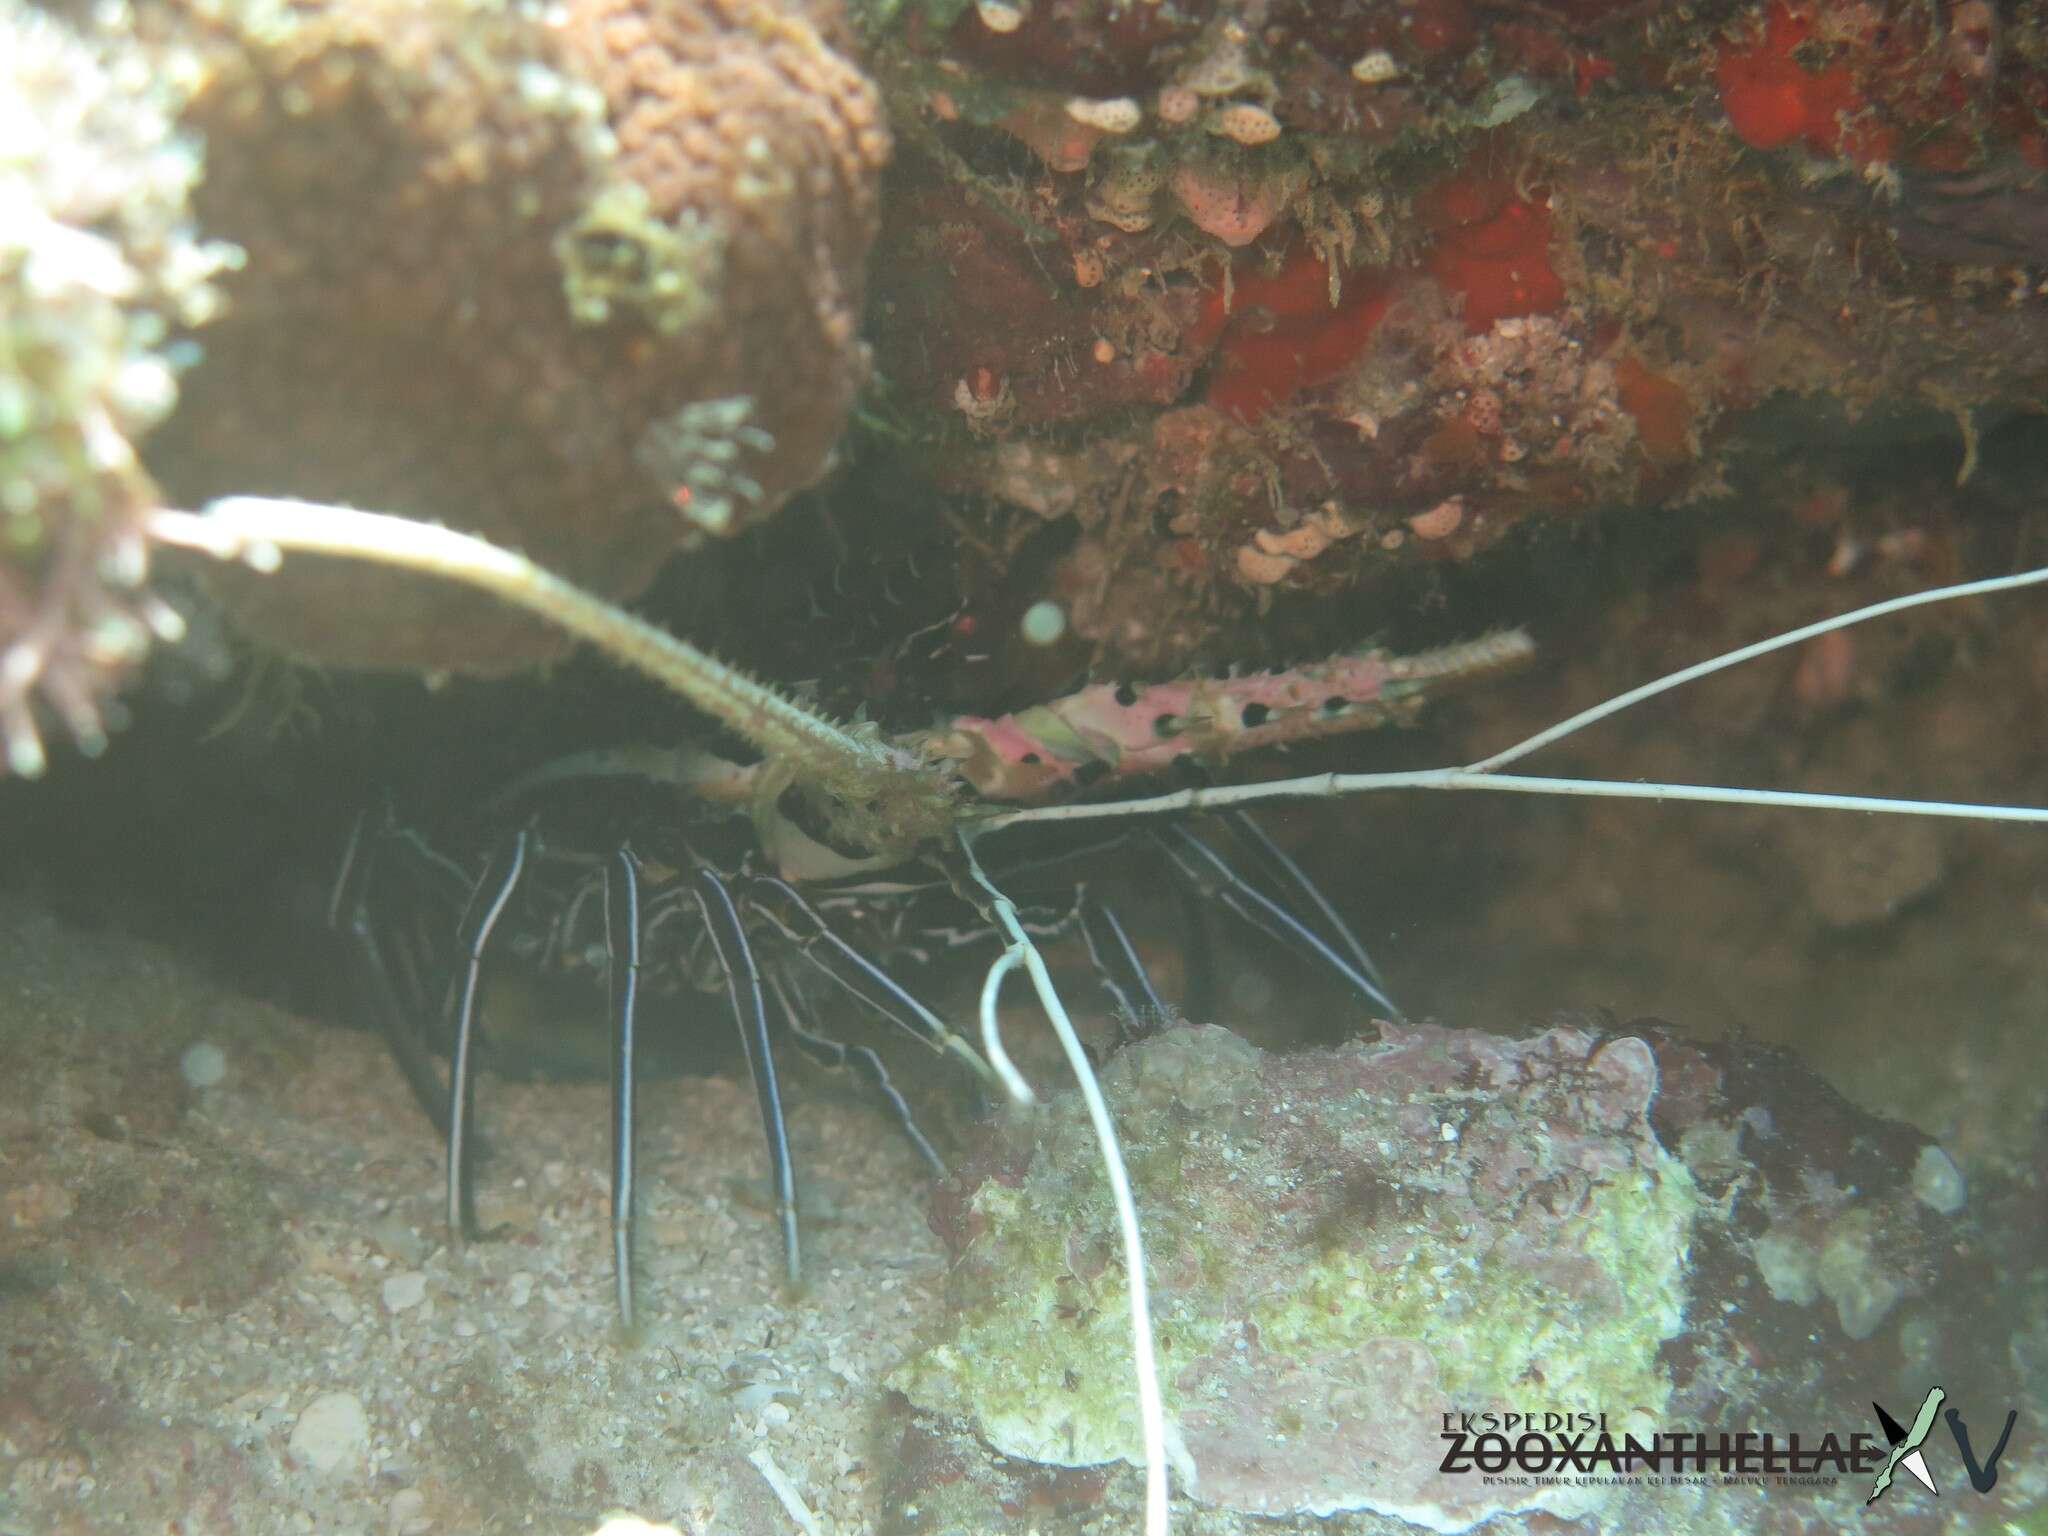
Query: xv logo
[{"x": 1906, "y": 1443}]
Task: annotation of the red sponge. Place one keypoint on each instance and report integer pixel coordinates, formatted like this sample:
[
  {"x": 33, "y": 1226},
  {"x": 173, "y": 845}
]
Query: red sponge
[
  {"x": 1771, "y": 99},
  {"x": 1493, "y": 248}
]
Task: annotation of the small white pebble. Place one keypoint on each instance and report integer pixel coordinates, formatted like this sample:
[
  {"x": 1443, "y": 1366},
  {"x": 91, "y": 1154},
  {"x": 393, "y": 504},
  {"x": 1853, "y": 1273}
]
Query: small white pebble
[
  {"x": 1447, "y": 1131},
  {"x": 404, "y": 1290},
  {"x": 520, "y": 1289},
  {"x": 407, "y": 1513},
  {"x": 1938, "y": 1181},
  {"x": 333, "y": 1433},
  {"x": 204, "y": 1064},
  {"x": 1044, "y": 622}
]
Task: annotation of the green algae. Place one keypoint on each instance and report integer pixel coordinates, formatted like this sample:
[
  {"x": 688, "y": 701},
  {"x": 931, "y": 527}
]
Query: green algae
[
  {"x": 1495, "y": 1327},
  {"x": 1298, "y": 1219}
]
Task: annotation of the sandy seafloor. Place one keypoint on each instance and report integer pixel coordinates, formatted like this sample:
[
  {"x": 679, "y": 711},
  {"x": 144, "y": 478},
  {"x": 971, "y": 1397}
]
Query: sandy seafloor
[
  {"x": 233, "y": 1308},
  {"x": 184, "y": 1273}
]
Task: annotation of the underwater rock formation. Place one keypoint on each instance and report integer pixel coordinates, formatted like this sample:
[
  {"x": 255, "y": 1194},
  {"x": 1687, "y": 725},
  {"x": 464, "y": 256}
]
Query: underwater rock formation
[
  {"x": 1830, "y": 1225},
  {"x": 1348, "y": 1244},
  {"x": 99, "y": 263},
  {"x": 1454, "y": 267},
  {"x": 586, "y": 283}
]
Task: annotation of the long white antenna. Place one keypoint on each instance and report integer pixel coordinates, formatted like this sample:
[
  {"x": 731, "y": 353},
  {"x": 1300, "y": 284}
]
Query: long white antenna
[
  {"x": 1021, "y": 951},
  {"x": 1482, "y": 775}
]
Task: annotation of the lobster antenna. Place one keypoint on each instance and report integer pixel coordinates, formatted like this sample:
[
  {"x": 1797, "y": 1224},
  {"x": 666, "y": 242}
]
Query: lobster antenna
[
  {"x": 1482, "y": 775},
  {"x": 1022, "y": 952},
  {"x": 885, "y": 794}
]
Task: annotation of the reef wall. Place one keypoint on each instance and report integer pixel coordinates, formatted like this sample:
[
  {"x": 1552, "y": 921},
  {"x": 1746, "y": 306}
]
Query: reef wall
[{"x": 1276, "y": 296}]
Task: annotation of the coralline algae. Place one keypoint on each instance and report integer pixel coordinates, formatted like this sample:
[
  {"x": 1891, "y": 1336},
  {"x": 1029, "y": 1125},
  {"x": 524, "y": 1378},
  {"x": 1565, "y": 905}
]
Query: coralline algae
[{"x": 1345, "y": 1245}]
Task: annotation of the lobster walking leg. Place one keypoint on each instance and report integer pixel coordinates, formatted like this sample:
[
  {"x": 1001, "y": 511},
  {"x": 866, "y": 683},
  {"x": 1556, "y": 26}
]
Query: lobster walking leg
[
  {"x": 348, "y": 914},
  {"x": 622, "y": 948},
  {"x": 865, "y": 980},
  {"x": 1277, "y": 863},
  {"x": 1197, "y": 862},
  {"x": 1111, "y": 950},
  {"x": 743, "y": 984},
  {"x": 462, "y": 1065},
  {"x": 839, "y": 1056},
  {"x": 1198, "y": 951}
]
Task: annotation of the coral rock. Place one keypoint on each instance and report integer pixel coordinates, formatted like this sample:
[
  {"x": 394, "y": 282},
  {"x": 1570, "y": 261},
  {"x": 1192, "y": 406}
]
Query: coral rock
[
  {"x": 1493, "y": 250},
  {"x": 1662, "y": 413},
  {"x": 497, "y": 266},
  {"x": 1440, "y": 521},
  {"x": 1286, "y": 331},
  {"x": 1177, "y": 104},
  {"x": 1345, "y": 1245},
  {"x": 1771, "y": 99},
  {"x": 1116, "y": 114},
  {"x": 98, "y": 261},
  {"x": 1375, "y": 68}
]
